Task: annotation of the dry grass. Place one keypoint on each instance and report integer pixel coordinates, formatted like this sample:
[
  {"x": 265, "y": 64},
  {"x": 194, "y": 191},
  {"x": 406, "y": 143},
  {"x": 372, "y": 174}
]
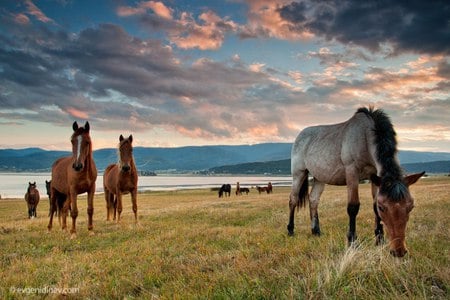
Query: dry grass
[{"x": 190, "y": 244}]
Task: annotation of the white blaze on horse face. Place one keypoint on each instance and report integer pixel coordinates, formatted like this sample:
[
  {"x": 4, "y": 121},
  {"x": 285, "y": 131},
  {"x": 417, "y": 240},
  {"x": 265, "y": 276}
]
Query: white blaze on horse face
[{"x": 79, "y": 139}]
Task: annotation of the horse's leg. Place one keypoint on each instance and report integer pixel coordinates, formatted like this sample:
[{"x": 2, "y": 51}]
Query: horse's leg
[
  {"x": 73, "y": 213},
  {"x": 90, "y": 209},
  {"x": 379, "y": 233},
  {"x": 65, "y": 209},
  {"x": 52, "y": 210},
  {"x": 119, "y": 204},
  {"x": 314, "y": 198},
  {"x": 108, "y": 203},
  {"x": 352, "y": 179},
  {"x": 297, "y": 183},
  {"x": 134, "y": 201}
]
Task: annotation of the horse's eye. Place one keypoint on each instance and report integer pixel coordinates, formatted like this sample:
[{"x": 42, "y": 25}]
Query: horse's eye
[{"x": 381, "y": 208}]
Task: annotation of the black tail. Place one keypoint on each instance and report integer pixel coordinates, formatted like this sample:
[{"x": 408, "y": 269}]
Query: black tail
[{"x": 303, "y": 194}]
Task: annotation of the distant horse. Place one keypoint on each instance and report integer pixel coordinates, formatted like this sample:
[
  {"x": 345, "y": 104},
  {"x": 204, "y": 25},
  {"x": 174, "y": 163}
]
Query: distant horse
[
  {"x": 244, "y": 190},
  {"x": 32, "y": 199},
  {"x": 261, "y": 189},
  {"x": 267, "y": 189},
  {"x": 74, "y": 175},
  {"x": 225, "y": 189},
  {"x": 363, "y": 147},
  {"x": 238, "y": 189},
  {"x": 121, "y": 178}
]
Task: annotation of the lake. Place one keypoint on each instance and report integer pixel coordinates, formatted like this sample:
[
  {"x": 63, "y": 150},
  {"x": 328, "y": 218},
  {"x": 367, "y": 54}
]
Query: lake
[{"x": 14, "y": 185}]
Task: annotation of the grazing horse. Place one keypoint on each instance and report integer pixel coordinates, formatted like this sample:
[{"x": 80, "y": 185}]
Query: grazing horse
[
  {"x": 267, "y": 189},
  {"x": 244, "y": 190},
  {"x": 74, "y": 175},
  {"x": 121, "y": 178},
  {"x": 363, "y": 147},
  {"x": 261, "y": 189},
  {"x": 225, "y": 189},
  {"x": 32, "y": 199}
]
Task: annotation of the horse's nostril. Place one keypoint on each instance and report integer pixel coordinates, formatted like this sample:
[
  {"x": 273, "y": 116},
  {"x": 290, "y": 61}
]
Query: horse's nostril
[{"x": 126, "y": 168}]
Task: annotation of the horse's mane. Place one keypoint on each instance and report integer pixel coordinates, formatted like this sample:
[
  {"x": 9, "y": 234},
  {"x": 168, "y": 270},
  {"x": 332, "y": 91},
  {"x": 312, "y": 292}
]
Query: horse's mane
[{"x": 386, "y": 151}]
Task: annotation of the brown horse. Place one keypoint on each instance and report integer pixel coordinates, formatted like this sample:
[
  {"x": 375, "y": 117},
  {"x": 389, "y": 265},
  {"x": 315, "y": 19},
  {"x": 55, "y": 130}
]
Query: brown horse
[
  {"x": 363, "y": 147},
  {"x": 267, "y": 189},
  {"x": 121, "y": 178},
  {"x": 74, "y": 175},
  {"x": 32, "y": 199}
]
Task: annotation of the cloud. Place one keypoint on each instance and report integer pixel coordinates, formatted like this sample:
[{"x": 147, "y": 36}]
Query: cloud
[
  {"x": 206, "y": 32},
  {"x": 158, "y": 8},
  {"x": 265, "y": 20},
  {"x": 33, "y": 10},
  {"x": 380, "y": 26}
]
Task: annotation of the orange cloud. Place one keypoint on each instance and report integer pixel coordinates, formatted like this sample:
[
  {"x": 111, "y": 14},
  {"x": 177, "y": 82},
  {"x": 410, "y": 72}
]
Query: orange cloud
[
  {"x": 36, "y": 12},
  {"x": 264, "y": 19},
  {"x": 157, "y": 7},
  {"x": 22, "y": 19},
  {"x": 77, "y": 113}
]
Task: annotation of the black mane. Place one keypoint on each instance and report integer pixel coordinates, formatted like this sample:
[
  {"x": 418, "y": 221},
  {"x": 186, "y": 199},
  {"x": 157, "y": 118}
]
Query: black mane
[{"x": 386, "y": 151}]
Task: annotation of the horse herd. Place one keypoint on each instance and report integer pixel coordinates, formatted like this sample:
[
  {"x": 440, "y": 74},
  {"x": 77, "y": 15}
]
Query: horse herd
[
  {"x": 363, "y": 147},
  {"x": 225, "y": 189}
]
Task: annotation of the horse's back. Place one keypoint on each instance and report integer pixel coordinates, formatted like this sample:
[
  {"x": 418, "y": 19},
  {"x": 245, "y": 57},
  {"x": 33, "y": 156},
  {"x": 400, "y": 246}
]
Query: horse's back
[
  {"x": 325, "y": 151},
  {"x": 110, "y": 177},
  {"x": 59, "y": 174}
]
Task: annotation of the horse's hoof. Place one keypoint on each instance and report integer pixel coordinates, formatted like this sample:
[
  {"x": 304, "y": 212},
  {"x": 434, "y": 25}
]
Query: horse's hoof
[
  {"x": 73, "y": 236},
  {"x": 315, "y": 231},
  {"x": 91, "y": 233}
]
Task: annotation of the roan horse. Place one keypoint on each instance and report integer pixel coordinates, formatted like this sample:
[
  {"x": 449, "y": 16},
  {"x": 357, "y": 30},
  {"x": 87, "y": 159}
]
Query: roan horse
[
  {"x": 363, "y": 147},
  {"x": 74, "y": 175},
  {"x": 121, "y": 178},
  {"x": 32, "y": 199}
]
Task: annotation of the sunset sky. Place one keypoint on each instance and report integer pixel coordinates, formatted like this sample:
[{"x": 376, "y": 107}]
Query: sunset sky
[{"x": 187, "y": 72}]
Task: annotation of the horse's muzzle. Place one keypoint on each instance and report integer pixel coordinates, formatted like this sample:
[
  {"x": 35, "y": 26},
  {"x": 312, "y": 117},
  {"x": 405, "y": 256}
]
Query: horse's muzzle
[
  {"x": 77, "y": 166},
  {"x": 398, "y": 252},
  {"x": 126, "y": 168}
]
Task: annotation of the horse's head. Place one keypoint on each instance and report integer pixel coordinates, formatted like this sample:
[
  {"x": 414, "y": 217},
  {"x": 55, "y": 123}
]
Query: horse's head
[
  {"x": 81, "y": 146},
  {"x": 394, "y": 203},
  {"x": 48, "y": 186},
  {"x": 31, "y": 187},
  {"x": 125, "y": 153}
]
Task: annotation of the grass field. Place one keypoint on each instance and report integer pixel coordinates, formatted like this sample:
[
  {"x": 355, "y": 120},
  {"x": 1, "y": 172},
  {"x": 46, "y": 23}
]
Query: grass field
[{"x": 190, "y": 244}]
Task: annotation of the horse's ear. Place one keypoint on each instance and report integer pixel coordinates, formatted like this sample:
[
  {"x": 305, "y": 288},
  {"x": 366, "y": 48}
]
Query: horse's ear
[
  {"x": 34, "y": 183},
  {"x": 375, "y": 180},
  {"x": 75, "y": 126},
  {"x": 130, "y": 138},
  {"x": 29, "y": 182},
  {"x": 411, "y": 179},
  {"x": 120, "y": 138},
  {"x": 86, "y": 126}
]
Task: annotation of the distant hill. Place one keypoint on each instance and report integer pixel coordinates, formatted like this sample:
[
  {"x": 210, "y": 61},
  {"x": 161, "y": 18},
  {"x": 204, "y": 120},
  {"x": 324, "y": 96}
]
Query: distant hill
[
  {"x": 187, "y": 159},
  {"x": 283, "y": 167},
  {"x": 182, "y": 159}
]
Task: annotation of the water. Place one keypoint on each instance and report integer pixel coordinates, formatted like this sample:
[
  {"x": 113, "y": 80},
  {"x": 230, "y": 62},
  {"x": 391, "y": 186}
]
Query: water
[{"x": 14, "y": 185}]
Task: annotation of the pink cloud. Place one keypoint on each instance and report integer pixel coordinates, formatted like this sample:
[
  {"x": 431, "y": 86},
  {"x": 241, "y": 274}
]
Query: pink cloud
[
  {"x": 264, "y": 19},
  {"x": 157, "y": 7},
  {"x": 77, "y": 113},
  {"x": 33, "y": 10},
  {"x": 22, "y": 19}
]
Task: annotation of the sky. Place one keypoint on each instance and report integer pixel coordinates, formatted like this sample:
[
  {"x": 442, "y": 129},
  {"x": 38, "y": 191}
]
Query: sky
[{"x": 188, "y": 72}]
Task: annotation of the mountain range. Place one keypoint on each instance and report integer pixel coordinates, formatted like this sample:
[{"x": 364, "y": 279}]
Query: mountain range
[{"x": 182, "y": 159}]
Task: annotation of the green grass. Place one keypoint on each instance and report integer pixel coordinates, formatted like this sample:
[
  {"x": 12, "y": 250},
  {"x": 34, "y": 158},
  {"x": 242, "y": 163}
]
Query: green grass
[{"x": 190, "y": 244}]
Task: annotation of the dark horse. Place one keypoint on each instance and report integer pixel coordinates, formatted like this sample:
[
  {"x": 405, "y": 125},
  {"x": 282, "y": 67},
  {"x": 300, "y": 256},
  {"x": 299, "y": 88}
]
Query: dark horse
[
  {"x": 121, "y": 178},
  {"x": 74, "y": 175},
  {"x": 267, "y": 189},
  {"x": 224, "y": 190},
  {"x": 60, "y": 199},
  {"x": 363, "y": 147},
  {"x": 32, "y": 199}
]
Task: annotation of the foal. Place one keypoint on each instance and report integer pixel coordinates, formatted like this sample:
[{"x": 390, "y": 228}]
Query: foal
[{"x": 121, "y": 178}]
